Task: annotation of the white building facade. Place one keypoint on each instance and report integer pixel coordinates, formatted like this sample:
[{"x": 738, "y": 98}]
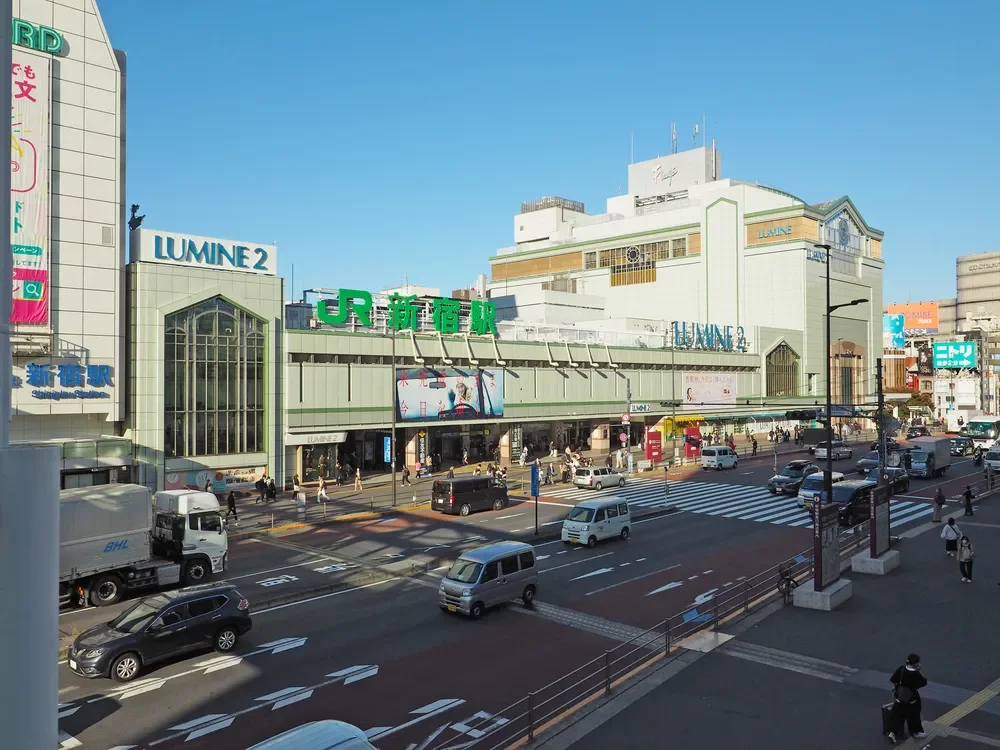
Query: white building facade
[
  {"x": 68, "y": 237},
  {"x": 687, "y": 245}
]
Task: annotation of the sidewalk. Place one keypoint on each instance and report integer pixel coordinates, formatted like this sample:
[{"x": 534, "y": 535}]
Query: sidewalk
[{"x": 826, "y": 674}]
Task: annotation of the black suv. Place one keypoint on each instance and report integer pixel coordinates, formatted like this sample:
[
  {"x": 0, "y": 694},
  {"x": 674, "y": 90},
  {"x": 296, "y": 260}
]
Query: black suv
[
  {"x": 464, "y": 496},
  {"x": 890, "y": 445},
  {"x": 160, "y": 627},
  {"x": 789, "y": 479}
]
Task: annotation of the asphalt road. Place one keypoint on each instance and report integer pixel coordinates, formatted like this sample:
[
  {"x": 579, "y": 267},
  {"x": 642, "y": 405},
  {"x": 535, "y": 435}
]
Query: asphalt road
[{"x": 317, "y": 658}]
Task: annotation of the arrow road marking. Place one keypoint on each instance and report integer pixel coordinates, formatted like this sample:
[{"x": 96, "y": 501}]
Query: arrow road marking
[
  {"x": 356, "y": 674},
  {"x": 208, "y": 666},
  {"x": 672, "y": 585},
  {"x": 68, "y": 740},
  {"x": 598, "y": 572},
  {"x": 702, "y": 598},
  {"x": 278, "y": 699},
  {"x": 65, "y": 710},
  {"x": 423, "y": 713}
]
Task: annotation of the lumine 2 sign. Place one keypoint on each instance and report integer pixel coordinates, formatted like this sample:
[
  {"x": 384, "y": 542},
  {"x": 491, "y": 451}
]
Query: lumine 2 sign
[
  {"x": 403, "y": 312},
  {"x": 40, "y": 38}
]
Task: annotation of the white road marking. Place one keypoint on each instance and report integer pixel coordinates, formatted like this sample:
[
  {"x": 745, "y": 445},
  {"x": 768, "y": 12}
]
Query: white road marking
[
  {"x": 630, "y": 580},
  {"x": 575, "y": 562},
  {"x": 705, "y": 572},
  {"x": 539, "y": 558},
  {"x": 591, "y": 574},
  {"x": 67, "y": 741},
  {"x": 325, "y": 596},
  {"x": 622, "y": 565},
  {"x": 509, "y": 515},
  {"x": 425, "y": 712},
  {"x": 702, "y": 598},
  {"x": 80, "y": 609},
  {"x": 668, "y": 587},
  {"x": 641, "y": 559},
  {"x": 552, "y": 523},
  {"x": 691, "y": 578}
]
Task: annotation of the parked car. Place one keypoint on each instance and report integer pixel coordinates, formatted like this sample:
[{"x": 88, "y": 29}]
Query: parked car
[
  {"x": 595, "y": 520},
  {"x": 718, "y": 457},
  {"x": 899, "y": 480},
  {"x": 962, "y": 446},
  {"x": 789, "y": 479},
  {"x": 464, "y": 496},
  {"x": 917, "y": 431},
  {"x": 598, "y": 477},
  {"x": 868, "y": 463},
  {"x": 812, "y": 487},
  {"x": 838, "y": 450},
  {"x": 489, "y": 575},
  {"x": 160, "y": 627},
  {"x": 890, "y": 445}
]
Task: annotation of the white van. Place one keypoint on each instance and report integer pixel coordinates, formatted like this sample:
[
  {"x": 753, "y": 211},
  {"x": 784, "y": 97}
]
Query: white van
[
  {"x": 812, "y": 486},
  {"x": 718, "y": 457},
  {"x": 594, "y": 520},
  {"x": 992, "y": 459},
  {"x": 318, "y": 735}
]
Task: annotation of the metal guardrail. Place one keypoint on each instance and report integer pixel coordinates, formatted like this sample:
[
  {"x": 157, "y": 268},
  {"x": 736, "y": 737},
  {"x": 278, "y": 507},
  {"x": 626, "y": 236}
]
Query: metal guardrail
[{"x": 525, "y": 718}]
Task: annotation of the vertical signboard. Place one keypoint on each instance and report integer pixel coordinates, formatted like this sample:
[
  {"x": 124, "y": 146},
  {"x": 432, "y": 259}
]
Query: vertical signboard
[
  {"x": 654, "y": 446},
  {"x": 29, "y": 187},
  {"x": 826, "y": 549},
  {"x": 892, "y": 332},
  {"x": 879, "y": 514}
]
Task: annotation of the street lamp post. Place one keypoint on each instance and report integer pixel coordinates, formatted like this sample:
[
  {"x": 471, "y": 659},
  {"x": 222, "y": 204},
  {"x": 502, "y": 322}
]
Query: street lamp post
[
  {"x": 828, "y": 472},
  {"x": 392, "y": 435}
]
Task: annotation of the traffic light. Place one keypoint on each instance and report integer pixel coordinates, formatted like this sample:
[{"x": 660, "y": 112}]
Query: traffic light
[{"x": 804, "y": 415}]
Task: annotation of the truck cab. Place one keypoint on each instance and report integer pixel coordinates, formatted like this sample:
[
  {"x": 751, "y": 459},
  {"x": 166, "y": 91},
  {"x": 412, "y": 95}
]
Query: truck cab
[{"x": 188, "y": 528}]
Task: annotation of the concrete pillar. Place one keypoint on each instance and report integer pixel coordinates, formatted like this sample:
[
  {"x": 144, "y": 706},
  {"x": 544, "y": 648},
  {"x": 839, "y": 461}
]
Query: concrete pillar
[
  {"x": 600, "y": 439},
  {"x": 505, "y": 444},
  {"x": 29, "y": 602}
]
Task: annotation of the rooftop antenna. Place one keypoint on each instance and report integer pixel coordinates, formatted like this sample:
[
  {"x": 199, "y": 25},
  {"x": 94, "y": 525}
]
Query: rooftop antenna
[
  {"x": 673, "y": 137},
  {"x": 695, "y": 136}
]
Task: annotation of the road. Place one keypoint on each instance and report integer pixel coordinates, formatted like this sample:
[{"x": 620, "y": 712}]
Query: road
[{"x": 381, "y": 655}]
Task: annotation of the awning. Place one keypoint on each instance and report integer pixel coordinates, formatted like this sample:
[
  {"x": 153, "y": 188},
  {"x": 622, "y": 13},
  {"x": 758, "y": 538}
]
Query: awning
[{"x": 689, "y": 418}]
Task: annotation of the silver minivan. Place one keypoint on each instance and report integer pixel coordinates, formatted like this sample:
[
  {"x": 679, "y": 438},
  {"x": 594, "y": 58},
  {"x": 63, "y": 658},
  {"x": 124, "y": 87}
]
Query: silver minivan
[
  {"x": 595, "y": 520},
  {"x": 327, "y": 734},
  {"x": 490, "y": 575}
]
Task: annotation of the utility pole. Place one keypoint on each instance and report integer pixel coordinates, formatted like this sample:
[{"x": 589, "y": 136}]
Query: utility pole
[
  {"x": 392, "y": 435},
  {"x": 880, "y": 423}
]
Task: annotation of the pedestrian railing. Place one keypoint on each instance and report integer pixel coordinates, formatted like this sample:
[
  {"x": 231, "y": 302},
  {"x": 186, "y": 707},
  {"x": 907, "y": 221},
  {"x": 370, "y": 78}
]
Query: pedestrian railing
[{"x": 664, "y": 642}]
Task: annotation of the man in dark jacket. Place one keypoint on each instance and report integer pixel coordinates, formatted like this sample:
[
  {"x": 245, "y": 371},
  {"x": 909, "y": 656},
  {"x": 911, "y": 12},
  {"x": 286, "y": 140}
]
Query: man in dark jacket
[
  {"x": 260, "y": 486},
  {"x": 907, "y": 681},
  {"x": 968, "y": 500}
]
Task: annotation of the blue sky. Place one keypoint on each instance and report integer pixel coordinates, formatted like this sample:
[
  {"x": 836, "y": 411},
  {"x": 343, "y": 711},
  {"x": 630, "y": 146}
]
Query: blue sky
[{"x": 373, "y": 140}]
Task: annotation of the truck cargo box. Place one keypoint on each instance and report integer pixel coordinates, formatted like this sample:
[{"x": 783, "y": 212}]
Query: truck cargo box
[
  {"x": 185, "y": 502},
  {"x": 103, "y": 528}
]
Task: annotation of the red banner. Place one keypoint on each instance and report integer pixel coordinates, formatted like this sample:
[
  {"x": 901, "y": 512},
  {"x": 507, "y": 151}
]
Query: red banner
[
  {"x": 692, "y": 442},
  {"x": 654, "y": 446}
]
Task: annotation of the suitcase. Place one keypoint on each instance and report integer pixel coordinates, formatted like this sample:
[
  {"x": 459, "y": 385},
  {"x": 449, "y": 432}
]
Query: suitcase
[{"x": 888, "y": 722}]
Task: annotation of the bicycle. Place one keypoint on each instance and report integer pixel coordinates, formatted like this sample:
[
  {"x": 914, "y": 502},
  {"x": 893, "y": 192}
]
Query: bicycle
[{"x": 786, "y": 583}]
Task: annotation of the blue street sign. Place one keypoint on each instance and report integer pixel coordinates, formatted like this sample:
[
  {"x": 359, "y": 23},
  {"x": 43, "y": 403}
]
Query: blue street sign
[
  {"x": 387, "y": 448},
  {"x": 534, "y": 481}
]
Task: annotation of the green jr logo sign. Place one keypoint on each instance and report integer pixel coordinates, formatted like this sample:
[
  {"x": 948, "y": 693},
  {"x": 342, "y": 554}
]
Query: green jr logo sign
[
  {"x": 403, "y": 312},
  {"x": 41, "y": 38}
]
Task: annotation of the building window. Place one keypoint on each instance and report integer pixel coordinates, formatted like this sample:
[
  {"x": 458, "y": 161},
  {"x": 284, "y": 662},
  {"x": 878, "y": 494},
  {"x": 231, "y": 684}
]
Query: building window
[
  {"x": 662, "y": 250},
  {"x": 590, "y": 260},
  {"x": 213, "y": 399},
  {"x": 782, "y": 371},
  {"x": 678, "y": 248}
]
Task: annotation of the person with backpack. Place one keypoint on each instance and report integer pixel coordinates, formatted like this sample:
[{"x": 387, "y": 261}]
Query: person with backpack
[
  {"x": 951, "y": 534},
  {"x": 261, "y": 487},
  {"x": 907, "y": 681}
]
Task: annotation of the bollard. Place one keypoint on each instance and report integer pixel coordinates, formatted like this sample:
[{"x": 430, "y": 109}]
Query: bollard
[
  {"x": 272, "y": 519},
  {"x": 667, "y": 637},
  {"x": 324, "y": 511},
  {"x": 531, "y": 716},
  {"x": 607, "y": 671},
  {"x": 715, "y": 613},
  {"x": 371, "y": 503},
  {"x": 746, "y": 597}
]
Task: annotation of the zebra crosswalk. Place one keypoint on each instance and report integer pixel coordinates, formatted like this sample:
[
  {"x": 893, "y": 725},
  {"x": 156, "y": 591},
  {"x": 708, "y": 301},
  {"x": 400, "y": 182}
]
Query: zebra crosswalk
[{"x": 744, "y": 502}]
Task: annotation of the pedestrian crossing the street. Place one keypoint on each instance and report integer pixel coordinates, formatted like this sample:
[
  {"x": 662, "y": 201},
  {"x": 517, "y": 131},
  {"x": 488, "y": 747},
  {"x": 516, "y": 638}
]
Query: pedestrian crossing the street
[{"x": 745, "y": 502}]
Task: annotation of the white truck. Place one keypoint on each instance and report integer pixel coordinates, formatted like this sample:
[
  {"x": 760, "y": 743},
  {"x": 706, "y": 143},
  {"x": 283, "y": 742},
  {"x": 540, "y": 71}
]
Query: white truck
[
  {"x": 959, "y": 418},
  {"x": 116, "y": 538},
  {"x": 929, "y": 456}
]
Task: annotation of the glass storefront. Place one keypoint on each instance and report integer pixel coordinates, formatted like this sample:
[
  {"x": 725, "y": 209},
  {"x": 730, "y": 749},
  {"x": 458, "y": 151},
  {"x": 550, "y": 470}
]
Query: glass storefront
[
  {"x": 319, "y": 460},
  {"x": 213, "y": 381}
]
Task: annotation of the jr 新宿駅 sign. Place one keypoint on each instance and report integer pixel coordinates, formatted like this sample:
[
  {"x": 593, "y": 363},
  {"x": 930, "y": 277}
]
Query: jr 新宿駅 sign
[
  {"x": 403, "y": 313},
  {"x": 40, "y": 38},
  {"x": 171, "y": 248}
]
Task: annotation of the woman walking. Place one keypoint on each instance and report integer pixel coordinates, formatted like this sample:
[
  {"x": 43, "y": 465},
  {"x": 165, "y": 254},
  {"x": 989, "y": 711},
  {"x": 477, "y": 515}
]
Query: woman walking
[
  {"x": 951, "y": 534},
  {"x": 966, "y": 556},
  {"x": 321, "y": 492},
  {"x": 357, "y": 479},
  {"x": 939, "y": 502}
]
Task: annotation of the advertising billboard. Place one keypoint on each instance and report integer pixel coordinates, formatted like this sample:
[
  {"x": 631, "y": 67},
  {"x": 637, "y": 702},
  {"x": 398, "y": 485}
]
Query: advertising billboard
[
  {"x": 223, "y": 480},
  {"x": 954, "y": 355},
  {"x": 918, "y": 317},
  {"x": 708, "y": 389},
  {"x": 427, "y": 395},
  {"x": 29, "y": 187},
  {"x": 892, "y": 332},
  {"x": 925, "y": 361}
]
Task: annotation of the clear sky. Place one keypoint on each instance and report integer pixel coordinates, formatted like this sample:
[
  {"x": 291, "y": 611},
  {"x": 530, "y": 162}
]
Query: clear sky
[{"x": 373, "y": 140}]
